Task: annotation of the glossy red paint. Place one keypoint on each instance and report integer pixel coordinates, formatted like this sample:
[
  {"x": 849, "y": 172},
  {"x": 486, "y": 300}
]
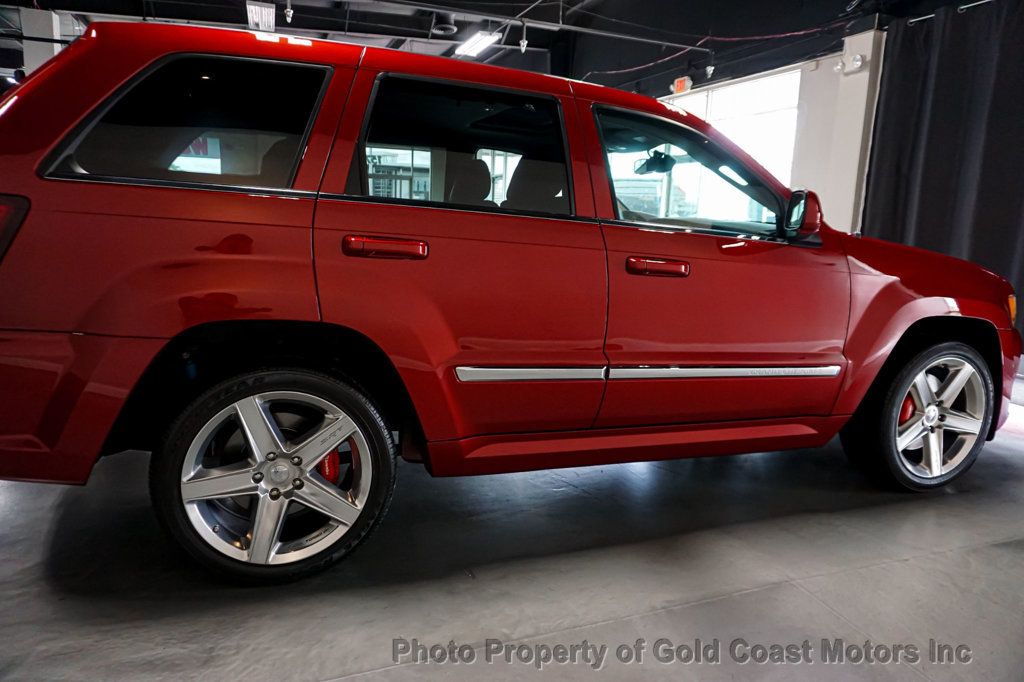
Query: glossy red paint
[
  {"x": 744, "y": 303},
  {"x": 496, "y": 289},
  {"x": 101, "y": 276},
  {"x": 527, "y": 452},
  {"x": 657, "y": 267},
  {"x": 895, "y": 286},
  {"x": 62, "y": 395}
]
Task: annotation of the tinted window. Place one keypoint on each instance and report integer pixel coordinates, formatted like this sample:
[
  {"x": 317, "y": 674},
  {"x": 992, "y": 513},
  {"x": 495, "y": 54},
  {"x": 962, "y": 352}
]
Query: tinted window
[
  {"x": 204, "y": 119},
  {"x": 670, "y": 175},
  {"x": 463, "y": 146}
]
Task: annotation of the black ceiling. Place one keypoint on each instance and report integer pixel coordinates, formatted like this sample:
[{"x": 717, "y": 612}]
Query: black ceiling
[{"x": 724, "y": 26}]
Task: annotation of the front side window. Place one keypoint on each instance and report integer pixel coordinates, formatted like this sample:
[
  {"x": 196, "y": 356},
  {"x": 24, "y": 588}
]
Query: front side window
[
  {"x": 463, "y": 146},
  {"x": 669, "y": 175},
  {"x": 208, "y": 120}
]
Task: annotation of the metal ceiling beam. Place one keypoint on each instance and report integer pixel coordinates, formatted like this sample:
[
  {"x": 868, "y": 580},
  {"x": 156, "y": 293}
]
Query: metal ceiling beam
[
  {"x": 287, "y": 28},
  {"x": 536, "y": 23},
  {"x": 583, "y": 4}
]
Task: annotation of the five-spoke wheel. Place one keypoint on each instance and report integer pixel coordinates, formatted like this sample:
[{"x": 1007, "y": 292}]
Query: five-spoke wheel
[
  {"x": 274, "y": 474},
  {"x": 929, "y": 423},
  {"x": 940, "y": 417}
]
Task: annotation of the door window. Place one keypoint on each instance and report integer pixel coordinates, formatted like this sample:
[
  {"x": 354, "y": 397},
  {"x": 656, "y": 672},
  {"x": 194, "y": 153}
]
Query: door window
[
  {"x": 209, "y": 120},
  {"x": 463, "y": 146},
  {"x": 667, "y": 174}
]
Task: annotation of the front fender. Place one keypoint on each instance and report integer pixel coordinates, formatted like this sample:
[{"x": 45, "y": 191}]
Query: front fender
[{"x": 888, "y": 298}]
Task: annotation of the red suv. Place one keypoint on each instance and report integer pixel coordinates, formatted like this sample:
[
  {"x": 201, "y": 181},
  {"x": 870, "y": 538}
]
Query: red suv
[{"x": 276, "y": 263}]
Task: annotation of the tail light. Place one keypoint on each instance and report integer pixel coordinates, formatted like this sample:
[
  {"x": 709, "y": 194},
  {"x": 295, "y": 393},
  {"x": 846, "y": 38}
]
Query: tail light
[{"x": 12, "y": 212}]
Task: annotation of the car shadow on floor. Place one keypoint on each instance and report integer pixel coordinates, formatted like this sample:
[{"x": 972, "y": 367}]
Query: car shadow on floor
[{"x": 105, "y": 543}]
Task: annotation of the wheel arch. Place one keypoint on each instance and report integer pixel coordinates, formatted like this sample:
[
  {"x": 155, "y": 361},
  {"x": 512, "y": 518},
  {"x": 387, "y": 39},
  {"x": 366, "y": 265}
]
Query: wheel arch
[
  {"x": 202, "y": 356},
  {"x": 978, "y": 333}
]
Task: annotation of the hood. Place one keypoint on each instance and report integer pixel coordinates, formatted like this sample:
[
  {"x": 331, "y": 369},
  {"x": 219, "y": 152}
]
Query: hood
[{"x": 926, "y": 273}]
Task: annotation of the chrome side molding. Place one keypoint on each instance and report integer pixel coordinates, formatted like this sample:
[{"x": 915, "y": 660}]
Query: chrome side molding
[
  {"x": 471, "y": 374},
  {"x": 720, "y": 372},
  {"x": 475, "y": 374}
]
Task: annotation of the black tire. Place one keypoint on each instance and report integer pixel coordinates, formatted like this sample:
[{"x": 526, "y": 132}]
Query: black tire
[
  {"x": 868, "y": 438},
  {"x": 168, "y": 460}
]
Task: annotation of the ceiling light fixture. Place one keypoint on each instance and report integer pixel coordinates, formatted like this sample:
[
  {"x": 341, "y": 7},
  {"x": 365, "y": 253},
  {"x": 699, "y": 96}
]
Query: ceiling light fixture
[{"x": 477, "y": 44}]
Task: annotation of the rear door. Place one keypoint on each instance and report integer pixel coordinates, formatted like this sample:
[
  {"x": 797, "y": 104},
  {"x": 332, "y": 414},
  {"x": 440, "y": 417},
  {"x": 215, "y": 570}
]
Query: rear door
[{"x": 455, "y": 229}]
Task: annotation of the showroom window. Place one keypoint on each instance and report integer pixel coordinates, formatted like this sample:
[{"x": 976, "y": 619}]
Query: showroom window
[
  {"x": 667, "y": 174},
  {"x": 463, "y": 146},
  {"x": 208, "y": 120},
  {"x": 759, "y": 115}
]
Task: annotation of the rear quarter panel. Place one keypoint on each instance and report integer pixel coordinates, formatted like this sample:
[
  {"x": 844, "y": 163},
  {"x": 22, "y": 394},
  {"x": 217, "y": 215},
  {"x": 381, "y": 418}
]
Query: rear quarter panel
[{"x": 100, "y": 275}]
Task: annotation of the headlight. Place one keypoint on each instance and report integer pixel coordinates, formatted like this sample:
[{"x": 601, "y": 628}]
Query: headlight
[{"x": 1011, "y": 307}]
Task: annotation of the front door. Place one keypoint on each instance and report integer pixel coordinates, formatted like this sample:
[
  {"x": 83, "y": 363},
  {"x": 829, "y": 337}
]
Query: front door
[{"x": 712, "y": 317}]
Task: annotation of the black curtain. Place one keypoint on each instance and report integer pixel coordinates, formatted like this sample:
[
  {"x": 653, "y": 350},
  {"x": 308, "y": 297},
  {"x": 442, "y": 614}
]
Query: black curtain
[{"x": 947, "y": 160}]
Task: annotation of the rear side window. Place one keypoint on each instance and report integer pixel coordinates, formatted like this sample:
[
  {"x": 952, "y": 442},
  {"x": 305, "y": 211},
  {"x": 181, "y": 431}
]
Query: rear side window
[
  {"x": 208, "y": 120},
  {"x": 463, "y": 146}
]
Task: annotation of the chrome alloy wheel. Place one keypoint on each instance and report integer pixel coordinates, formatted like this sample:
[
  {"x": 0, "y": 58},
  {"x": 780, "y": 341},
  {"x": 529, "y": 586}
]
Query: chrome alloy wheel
[
  {"x": 940, "y": 418},
  {"x": 276, "y": 477}
]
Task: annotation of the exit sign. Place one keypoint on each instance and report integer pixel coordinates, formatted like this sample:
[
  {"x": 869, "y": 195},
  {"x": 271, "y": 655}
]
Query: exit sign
[
  {"x": 261, "y": 15},
  {"x": 681, "y": 85}
]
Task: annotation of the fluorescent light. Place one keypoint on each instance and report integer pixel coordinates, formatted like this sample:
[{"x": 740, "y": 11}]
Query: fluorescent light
[
  {"x": 477, "y": 44},
  {"x": 732, "y": 175}
]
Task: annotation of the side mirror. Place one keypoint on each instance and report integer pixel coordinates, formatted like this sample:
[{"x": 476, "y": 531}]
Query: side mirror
[{"x": 803, "y": 217}]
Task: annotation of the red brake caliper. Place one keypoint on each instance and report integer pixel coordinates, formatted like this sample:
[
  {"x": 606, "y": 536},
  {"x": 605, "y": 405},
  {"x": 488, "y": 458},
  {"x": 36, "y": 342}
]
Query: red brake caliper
[
  {"x": 906, "y": 410},
  {"x": 330, "y": 467}
]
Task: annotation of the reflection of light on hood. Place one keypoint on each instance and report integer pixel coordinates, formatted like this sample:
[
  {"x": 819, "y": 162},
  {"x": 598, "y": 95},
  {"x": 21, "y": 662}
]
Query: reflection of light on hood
[
  {"x": 954, "y": 307},
  {"x": 7, "y": 105}
]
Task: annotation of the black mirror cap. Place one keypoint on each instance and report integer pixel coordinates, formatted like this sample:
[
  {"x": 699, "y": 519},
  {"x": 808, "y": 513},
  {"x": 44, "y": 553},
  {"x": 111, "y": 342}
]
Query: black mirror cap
[{"x": 804, "y": 217}]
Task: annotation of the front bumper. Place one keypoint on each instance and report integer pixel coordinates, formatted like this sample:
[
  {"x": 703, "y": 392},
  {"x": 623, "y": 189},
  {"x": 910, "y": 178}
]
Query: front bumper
[{"x": 1010, "y": 345}]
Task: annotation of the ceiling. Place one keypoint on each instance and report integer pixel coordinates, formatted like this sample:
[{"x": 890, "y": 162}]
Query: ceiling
[{"x": 625, "y": 43}]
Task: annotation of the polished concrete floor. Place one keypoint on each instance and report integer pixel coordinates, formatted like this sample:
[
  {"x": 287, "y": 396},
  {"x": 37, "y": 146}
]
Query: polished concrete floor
[{"x": 772, "y": 548}]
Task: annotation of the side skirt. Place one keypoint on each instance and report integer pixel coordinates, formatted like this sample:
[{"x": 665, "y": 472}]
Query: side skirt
[{"x": 533, "y": 451}]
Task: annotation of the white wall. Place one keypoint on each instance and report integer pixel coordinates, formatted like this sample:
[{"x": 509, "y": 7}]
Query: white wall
[
  {"x": 834, "y": 124},
  {"x": 835, "y": 116},
  {"x": 37, "y": 23},
  {"x": 819, "y": 90}
]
